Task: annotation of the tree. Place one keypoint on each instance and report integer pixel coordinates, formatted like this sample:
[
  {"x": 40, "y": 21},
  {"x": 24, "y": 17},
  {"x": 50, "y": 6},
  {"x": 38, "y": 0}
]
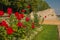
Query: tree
[{"x": 36, "y": 5}]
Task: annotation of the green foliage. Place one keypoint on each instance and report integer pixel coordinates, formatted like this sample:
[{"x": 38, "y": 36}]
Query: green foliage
[
  {"x": 36, "y": 5},
  {"x": 36, "y": 20},
  {"x": 50, "y": 32},
  {"x": 39, "y": 5},
  {"x": 20, "y": 32}
]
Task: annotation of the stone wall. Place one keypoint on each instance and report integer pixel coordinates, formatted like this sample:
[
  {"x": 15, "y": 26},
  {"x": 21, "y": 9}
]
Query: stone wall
[{"x": 48, "y": 14}]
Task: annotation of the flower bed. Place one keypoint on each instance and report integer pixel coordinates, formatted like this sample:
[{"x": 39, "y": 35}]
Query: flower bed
[
  {"x": 15, "y": 28},
  {"x": 18, "y": 26}
]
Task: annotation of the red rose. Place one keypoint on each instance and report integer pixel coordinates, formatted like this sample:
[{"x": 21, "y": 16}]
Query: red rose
[
  {"x": 9, "y": 10},
  {"x": 9, "y": 31},
  {"x": 20, "y": 24},
  {"x": 23, "y": 10},
  {"x": 1, "y": 13},
  {"x": 27, "y": 19},
  {"x": 22, "y": 15},
  {"x": 18, "y": 16},
  {"x": 4, "y": 24},
  {"x": 16, "y": 13},
  {"x": 28, "y": 6},
  {"x": 33, "y": 26}
]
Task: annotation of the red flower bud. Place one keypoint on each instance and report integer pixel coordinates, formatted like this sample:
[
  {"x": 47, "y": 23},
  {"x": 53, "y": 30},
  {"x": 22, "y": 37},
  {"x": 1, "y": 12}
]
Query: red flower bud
[
  {"x": 23, "y": 10},
  {"x": 0, "y": 24},
  {"x": 1, "y": 13},
  {"x": 45, "y": 16},
  {"x": 27, "y": 19},
  {"x": 9, "y": 31},
  {"x": 28, "y": 6},
  {"x": 9, "y": 10},
  {"x": 4, "y": 24},
  {"x": 20, "y": 24},
  {"x": 33, "y": 26}
]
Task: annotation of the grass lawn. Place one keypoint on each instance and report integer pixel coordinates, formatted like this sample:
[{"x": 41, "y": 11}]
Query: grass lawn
[{"x": 49, "y": 32}]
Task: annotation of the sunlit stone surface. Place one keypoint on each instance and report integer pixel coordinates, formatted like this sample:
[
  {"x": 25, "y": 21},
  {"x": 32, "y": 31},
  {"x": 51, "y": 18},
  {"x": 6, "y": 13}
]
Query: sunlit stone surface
[{"x": 48, "y": 14}]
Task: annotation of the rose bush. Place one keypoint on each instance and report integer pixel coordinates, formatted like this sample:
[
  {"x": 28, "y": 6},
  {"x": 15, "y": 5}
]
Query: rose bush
[{"x": 16, "y": 26}]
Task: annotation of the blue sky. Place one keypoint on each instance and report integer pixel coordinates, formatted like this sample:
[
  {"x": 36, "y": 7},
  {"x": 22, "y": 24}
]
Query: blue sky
[{"x": 55, "y": 4}]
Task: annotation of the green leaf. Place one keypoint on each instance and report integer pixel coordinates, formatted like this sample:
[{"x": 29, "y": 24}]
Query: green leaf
[{"x": 15, "y": 27}]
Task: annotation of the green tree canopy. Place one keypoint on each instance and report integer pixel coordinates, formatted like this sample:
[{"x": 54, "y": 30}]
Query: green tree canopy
[{"x": 37, "y": 5}]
